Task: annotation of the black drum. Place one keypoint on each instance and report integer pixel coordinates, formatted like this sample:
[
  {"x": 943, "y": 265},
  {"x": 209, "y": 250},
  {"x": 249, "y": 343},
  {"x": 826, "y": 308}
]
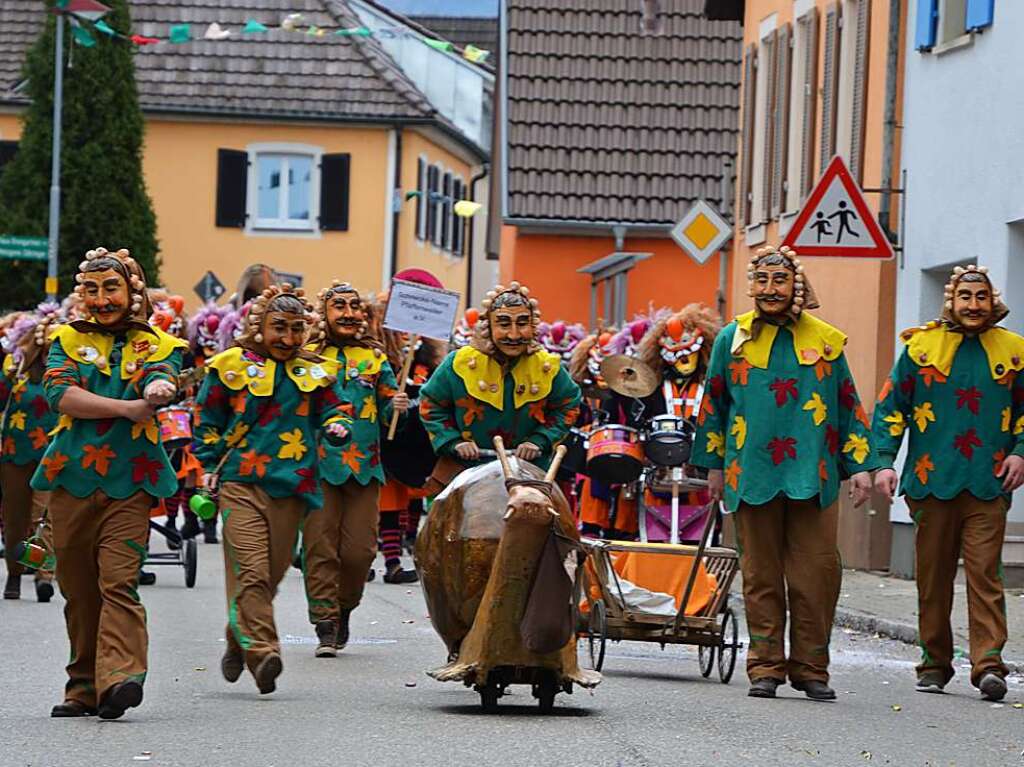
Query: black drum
[
  {"x": 575, "y": 461},
  {"x": 669, "y": 441},
  {"x": 409, "y": 457}
]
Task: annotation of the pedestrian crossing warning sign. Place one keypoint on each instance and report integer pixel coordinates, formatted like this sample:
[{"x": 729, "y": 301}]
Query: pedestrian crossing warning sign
[{"x": 836, "y": 221}]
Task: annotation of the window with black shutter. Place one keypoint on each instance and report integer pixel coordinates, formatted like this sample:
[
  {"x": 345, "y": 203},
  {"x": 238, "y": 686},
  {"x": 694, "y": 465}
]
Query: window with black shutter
[
  {"x": 421, "y": 199},
  {"x": 446, "y": 212},
  {"x": 232, "y": 181},
  {"x": 7, "y": 151},
  {"x": 458, "y": 224},
  {"x": 334, "y": 192},
  {"x": 433, "y": 193}
]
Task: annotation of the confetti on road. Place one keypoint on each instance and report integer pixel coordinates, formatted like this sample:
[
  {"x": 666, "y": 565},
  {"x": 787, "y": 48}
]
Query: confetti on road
[{"x": 896, "y": 707}]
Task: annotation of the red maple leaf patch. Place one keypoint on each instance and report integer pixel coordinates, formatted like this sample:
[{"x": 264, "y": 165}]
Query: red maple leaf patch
[
  {"x": 970, "y": 397},
  {"x": 907, "y": 386},
  {"x": 782, "y": 448},
  {"x": 848, "y": 394},
  {"x": 103, "y": 425},
  {"x": 717, "y": 386},
  {"x": 145, "y": 469},
  {"x": 307, "y": 481},
  {"x": 783, "y": 388},
  {"x": 267, "y": 411},
  {"x": 966, "y": 442},
  {"x": 831, "y": 439},
  {"x": 39, "y": 406}
]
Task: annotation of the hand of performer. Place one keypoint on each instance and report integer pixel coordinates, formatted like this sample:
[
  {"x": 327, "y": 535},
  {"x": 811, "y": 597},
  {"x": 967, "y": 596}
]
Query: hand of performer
[
  {"x": 467, "y": 451},
  {"x": 209, "y": 482},
  {"x": 1013, "y": 472},
  {"x": 138, "y": 410},
  {"x": 716, "y": 485},
  {"x": 527, "y": 451},
  {"x": 337, "y": 431},
  {"x": 160, "y": 393},
  {"x": 885, "y": 482},
  {"x": 860, "y": 488},
  {"x": 400, "y": 402}
]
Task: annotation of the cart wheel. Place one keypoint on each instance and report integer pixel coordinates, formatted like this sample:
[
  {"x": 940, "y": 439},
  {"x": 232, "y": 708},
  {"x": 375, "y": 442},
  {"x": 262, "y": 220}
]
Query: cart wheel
[
  {"x": 489, "y": 699},
  {"x": 706, "y": 660},
  {"x": 546, "y": 700},
  {"x": 191, "y": 562},
  {"x": 597, "y": 634},
  {"x": 728, "y": 648}
]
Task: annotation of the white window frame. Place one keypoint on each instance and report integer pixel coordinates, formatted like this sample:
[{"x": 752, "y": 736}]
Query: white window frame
[
  {"x": 847, "y": 73},
  {"x": 257, "y": 225},
  {"x": 765, "y": 70},
  {"x": 800, "y": 82}
]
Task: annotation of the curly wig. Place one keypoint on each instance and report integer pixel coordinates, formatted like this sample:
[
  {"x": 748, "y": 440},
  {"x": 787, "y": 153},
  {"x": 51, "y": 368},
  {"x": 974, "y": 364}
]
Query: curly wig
[{"x": 692, "y": 321}]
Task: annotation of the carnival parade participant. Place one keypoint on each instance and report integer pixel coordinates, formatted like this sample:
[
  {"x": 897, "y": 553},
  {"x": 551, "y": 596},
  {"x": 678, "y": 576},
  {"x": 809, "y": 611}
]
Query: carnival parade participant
[
  {"x": 561, "y": 338},
  {"x": 780, "y": 424},
  {"x": 24, "y": 435},
  {"x": 465, "y": 328},
  {"x": 340, "y": 540},
  {"x": 105, "y": 468},
  {"x": 502, "y": 384},
  {"x": 408, "y": 458},
  {"x": 261, "y": 406},
  {"x": 957, "y": 390}
]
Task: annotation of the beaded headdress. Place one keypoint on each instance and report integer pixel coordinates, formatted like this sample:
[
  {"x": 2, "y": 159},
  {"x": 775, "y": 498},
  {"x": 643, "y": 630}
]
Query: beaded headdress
[{"x": 804, "y": 296}]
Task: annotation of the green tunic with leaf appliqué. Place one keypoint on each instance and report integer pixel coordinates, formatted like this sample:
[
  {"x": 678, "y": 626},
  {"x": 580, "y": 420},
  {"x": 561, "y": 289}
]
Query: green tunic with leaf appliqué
[
  {"x": 268, "y": 415},
  {"x": 780, "y": 413},
  {"x": 961, "y": 400},
  {"x": 26, "y": 430},
  {"x": 365, "y": 385},
  {"x": 471, "y": 398},
  {"x": 115, "y": 455}
]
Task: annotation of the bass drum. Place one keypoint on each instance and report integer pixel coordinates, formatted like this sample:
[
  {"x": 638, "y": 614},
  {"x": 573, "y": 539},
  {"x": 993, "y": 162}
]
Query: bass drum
[
  {"x": 615, "y": 455},
  {"x": 409, "y": 457},
  {"x": 575, "y": 460}
]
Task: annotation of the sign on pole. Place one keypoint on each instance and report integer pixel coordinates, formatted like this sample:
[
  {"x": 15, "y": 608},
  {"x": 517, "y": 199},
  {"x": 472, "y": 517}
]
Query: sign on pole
[
  {"x": 701, "y": 232},
  {"x": 836, "y": 221},
  {"x": 209, "y": 288},
  {"x": 23, "y": 248},
  {"x": 421, "y": 310}
]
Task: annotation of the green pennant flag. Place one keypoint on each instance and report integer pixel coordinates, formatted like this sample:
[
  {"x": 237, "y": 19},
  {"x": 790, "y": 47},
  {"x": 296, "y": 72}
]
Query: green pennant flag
[
  {"x": 252, "y": 27},
  {"x": 355, "y": 31},
  {"x": 413, "y": 195},
  {"x": 180, "y": 33},
  {"x": 82, "y": 36},
  {"x": 441, "y": 45},
  {"x": 103, "y": 27}
]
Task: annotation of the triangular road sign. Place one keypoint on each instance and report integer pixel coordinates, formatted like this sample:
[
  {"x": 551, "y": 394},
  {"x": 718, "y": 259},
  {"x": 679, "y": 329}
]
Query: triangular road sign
[{"x": 836, "y": 221}]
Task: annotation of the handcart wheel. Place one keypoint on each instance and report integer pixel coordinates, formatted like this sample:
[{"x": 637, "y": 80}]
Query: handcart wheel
[
  {"x": 706, "y": 659},
  {"x": 191, "y": 562},
  {"x": 728, "y": 648},
  {"x": 545, "y": 693},
  {"x": 489, "y": 699},
  {"x": 597, "y": 634}
]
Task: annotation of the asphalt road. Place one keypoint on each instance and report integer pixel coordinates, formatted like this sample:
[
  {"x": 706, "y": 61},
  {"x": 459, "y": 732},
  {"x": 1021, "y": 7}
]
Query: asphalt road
[{"x": 375, "y": 706}]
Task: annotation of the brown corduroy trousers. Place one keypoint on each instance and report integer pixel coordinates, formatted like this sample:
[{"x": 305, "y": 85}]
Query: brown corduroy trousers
[
  {"x": 259, "y": 540},
  {"x": 339, "y": 544},
  {"x": 789, "y": 555},
  {"x": 23, "y": 507},
  {"x": 942, "y": 530},
  {"x": 100, "y": 544}
]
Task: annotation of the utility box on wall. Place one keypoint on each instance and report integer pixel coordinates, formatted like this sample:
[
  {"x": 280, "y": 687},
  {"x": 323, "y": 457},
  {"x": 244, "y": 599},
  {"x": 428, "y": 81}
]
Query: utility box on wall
[{"x": 865, "y": 534}]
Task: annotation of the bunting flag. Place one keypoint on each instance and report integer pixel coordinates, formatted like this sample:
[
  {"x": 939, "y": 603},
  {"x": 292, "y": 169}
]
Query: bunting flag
[
  {"x": 92, "y": 12},
  {"x": 467, "y": 208}
]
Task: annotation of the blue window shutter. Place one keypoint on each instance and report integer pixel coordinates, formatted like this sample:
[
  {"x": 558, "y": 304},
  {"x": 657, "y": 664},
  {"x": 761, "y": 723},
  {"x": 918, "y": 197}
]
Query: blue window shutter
[
  {"x": 927, "y": 24},
  {"x": 979, "y": 14}
]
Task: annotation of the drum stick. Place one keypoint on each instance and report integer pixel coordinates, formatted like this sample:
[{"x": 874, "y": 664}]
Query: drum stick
[
  {"x": 555, "y": 463},
  {"x": 499, "y": 448},
  {"x": 402, "y": 380}
]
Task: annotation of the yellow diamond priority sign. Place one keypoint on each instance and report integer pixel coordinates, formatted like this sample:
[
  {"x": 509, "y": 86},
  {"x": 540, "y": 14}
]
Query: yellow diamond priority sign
[{"x": 701, "y": 232}]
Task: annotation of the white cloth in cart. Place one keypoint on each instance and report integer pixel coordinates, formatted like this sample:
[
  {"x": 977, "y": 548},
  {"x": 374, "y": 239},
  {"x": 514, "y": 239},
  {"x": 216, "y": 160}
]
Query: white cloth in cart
[{"x": 647, "y": 602}]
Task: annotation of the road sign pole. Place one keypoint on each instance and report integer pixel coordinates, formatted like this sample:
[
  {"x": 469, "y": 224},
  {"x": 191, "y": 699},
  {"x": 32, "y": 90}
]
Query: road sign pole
[
  {"x": 723, "y": 254},
  {"x": 58, "y": 99}
]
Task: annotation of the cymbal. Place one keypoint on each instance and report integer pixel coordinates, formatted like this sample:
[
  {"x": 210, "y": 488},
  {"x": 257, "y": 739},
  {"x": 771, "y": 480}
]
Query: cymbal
[{"x": 628, "y": 376}]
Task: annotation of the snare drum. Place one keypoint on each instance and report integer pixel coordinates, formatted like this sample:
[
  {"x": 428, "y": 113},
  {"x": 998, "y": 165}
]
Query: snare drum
[
  {"x": 175, "y": 426},
  {"x": 575, "y": 460},
  {"x": 669, "y": 441},
  {"x": 615, "y": 455}
]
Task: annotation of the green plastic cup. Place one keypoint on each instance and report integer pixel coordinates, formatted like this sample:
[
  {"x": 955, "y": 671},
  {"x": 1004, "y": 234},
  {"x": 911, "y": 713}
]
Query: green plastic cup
[{"x": 203, "y": 506}]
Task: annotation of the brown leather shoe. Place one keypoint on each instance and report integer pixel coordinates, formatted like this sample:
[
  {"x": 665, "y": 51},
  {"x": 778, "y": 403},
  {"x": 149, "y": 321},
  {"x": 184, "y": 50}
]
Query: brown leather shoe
[
  {"x": 267, "y": 673},
  {"x": 70, "y": 708},
  {"x": 231, "y": 665},
  {"x": 119, "y": 698},
  {"x": 763, "y": 687},
  {"x": 12, "y": 589},
  {"x": 815, "y": 690},
  {"x": 327, "y": 633}
]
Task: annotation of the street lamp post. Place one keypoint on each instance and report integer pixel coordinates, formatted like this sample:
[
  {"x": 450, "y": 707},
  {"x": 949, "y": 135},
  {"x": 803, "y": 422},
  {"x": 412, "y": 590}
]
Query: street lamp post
[{"x": 58, "y": 99}]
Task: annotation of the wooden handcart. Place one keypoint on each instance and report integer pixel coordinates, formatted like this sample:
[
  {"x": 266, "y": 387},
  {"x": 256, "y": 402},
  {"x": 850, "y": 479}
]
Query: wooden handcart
[{"x": 608, "y": 607}]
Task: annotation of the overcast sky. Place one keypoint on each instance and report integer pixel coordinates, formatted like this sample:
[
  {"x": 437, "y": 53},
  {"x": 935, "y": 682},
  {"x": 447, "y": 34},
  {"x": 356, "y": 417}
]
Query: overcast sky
[{"x": 444, "y": 7}]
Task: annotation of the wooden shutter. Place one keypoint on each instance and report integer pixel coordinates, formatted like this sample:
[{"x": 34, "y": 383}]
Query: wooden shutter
[
  {"x": 860, "y": 88},
  {"x": 829, "y": 84},
  {"x": 770, "y": 48},
  {"x": 232, "y": 183},
  {"x": 432, "y": 194},
  {"x": 810, "y": 97},
  {"x": 446, "y": 212},
  {"x": 334, "y": 192},
  {"x": 458, "y": 224},
  {"x": 747, "y": 148},
  {"x": 927, "y": 26},
  {"x": 979, "y": 14},
  {"x": 421, "y": 200},
  {"x": 780, "y": 152}
]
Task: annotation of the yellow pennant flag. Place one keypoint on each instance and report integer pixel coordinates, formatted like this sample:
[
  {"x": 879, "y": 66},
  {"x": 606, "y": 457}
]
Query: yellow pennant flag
[{"x": 466, "y": 208}]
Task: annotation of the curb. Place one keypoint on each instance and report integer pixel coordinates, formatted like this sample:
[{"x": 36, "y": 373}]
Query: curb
[{"x": 866, "y": 623}]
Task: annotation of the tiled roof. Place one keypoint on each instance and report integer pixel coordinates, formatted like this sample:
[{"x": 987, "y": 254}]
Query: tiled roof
[
  {"x": 274, "y": 73},
  {"x": 606, "y": 124}
]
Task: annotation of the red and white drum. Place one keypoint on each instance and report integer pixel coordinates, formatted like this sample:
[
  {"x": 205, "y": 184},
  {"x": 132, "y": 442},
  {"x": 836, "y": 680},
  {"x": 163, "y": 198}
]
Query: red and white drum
[
  {"x": 175, "y": 426},
  {"x": 615, "y": 455}
]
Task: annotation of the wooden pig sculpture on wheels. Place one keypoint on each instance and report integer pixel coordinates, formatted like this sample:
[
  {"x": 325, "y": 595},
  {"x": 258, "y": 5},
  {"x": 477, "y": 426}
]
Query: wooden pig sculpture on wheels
[{"x": 498, "y": 559}]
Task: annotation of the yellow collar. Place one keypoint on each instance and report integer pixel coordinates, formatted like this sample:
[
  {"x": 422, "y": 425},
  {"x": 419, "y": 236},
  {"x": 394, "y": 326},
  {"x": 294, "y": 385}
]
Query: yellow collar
[
  {"x": 257, "y": 375},
  {"x": 813, "y": 339},
  {"x": 484, "y": 379},
  {"x": 140, "y": 347},
  {"x": 935, "y": 345}
]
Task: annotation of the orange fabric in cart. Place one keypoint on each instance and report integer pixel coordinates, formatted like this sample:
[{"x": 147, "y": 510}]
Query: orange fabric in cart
[{"x": 667, "y": 574}]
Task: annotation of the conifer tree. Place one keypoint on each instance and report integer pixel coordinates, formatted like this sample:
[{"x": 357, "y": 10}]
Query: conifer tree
[{"x": 103, "y": 193}]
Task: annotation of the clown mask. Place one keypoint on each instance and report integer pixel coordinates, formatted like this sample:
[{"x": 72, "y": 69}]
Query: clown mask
[
  {"x": 680, "y": 347},
  {"x": 596, "y": 355}
]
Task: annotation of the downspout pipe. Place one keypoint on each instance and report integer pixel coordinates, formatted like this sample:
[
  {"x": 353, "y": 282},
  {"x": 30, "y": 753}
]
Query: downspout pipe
[
  {"x": 484, "y": 172},
  {"x": 396, "y": 206},
  {"x": 889, "y": 126}
]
